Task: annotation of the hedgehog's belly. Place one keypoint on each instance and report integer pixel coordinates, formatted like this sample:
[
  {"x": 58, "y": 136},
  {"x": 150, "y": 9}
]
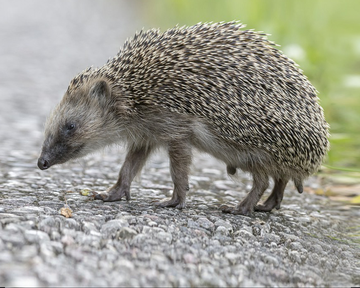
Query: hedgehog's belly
[{"x": 234, "y": 156}]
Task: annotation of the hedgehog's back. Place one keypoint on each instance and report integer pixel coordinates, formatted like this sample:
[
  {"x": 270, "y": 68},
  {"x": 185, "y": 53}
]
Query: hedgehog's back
[{"x": 235, "y": 80}]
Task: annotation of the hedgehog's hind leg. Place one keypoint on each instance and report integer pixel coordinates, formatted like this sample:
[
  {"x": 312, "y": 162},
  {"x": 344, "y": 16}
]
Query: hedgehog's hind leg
[
  {"x": 180, "y": 161},
  {"x": 246, "y": 207},
  {"x": 275, "y": 198}
]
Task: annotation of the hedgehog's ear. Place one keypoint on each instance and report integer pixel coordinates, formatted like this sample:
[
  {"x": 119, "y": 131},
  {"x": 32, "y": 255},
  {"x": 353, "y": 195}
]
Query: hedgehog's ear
[{"x": 100, "y": 90}]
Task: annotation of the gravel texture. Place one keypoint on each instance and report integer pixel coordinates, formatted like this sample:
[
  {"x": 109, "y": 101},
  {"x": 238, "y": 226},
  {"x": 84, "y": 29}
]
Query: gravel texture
[{"x": 306, "y": 243}]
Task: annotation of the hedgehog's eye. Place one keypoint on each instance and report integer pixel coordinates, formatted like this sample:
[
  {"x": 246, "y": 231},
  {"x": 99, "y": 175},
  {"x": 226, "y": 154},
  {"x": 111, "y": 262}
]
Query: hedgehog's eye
[{"x": 70, "y": 127}]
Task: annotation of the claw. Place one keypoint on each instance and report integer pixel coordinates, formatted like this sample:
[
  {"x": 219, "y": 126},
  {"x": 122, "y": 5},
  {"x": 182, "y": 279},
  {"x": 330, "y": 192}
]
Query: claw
[
  {"x": 238, "y": 210},
  {"x": 171, "y": 203},
  {"x": 226, "y": 209},
  {"x": 263, "y": 208},
  {"x": 100, "y": 196},
  {"x": 112, "y": 195}
]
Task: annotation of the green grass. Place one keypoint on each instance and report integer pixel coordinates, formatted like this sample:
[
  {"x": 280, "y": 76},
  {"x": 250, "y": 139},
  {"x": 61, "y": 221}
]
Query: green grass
[{"x": 328, "y": 35}]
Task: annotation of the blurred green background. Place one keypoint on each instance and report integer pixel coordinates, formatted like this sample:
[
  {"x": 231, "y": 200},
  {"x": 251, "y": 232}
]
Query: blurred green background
[{"x": 322, "y": 36}]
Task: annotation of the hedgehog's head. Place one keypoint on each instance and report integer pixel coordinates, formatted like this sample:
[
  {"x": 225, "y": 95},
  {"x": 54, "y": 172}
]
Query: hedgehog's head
[{"x": 82, "y": 122}]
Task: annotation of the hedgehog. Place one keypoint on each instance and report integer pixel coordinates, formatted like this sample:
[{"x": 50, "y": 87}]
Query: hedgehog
[{"x": 215, "y": 87}]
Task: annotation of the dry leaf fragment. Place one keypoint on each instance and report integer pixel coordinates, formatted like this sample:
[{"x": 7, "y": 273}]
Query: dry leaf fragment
[
  {"x": 85, "y": 192},
  {"x": 355, "y": 200},
  {"x": 66, "y": 211}
]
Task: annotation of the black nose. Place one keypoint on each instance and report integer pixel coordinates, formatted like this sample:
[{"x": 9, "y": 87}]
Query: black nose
[{"x": 43, "y": 164}]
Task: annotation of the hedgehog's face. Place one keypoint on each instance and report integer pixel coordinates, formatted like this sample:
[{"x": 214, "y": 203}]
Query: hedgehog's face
[{"x": 78, "y": 125}]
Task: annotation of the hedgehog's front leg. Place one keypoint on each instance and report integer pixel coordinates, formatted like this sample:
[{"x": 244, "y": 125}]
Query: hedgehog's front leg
[
  {"x": 246, "y": 207},
  {"x": 180, "y": 161},
  {"x": 134, "y": 161}
]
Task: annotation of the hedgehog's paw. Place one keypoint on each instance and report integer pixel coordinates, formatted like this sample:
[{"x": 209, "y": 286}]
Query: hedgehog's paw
[
  {"x": 267, "y": 206},
  {"x": 172, "y": 203},
  {"x": 114, "y": 194},
  {"x": 226, "y": 208},
  {"x": 263, "y": 207},
  {"x": 270, "y": 203},
  {"x": 236, "y": 210},
  {"x": 100, "y": 196}
]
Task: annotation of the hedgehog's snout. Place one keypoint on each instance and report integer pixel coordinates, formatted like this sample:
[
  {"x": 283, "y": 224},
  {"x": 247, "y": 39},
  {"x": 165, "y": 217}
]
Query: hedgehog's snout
[{"x": 43, "y": 164}]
